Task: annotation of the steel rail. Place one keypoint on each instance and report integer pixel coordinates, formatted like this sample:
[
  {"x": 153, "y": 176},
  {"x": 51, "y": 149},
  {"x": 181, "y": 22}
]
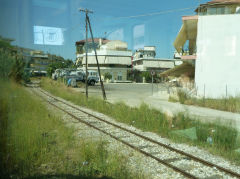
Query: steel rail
[
  {"x": 184, "y": 173},
  {"x": 227, "y": 171}
]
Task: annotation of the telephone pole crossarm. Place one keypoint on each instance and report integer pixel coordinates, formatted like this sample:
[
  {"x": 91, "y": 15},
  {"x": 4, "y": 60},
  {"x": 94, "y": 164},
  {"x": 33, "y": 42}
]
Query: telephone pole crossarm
[{"x": 85, "y": 10}]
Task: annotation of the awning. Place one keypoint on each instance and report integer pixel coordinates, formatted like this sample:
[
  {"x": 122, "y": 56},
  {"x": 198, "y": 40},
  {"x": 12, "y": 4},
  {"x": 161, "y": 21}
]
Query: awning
[
  {"x": 184, "y": 69},
  {"x": 188, "y": 31},
  {"x": 181, "y": 39}
]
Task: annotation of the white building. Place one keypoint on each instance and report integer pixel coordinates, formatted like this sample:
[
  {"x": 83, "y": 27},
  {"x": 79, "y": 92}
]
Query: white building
[
  {"x": 144, "y": 60},
  {"x": 214, "y": 42},
  {"x": 113, "y": 58}
]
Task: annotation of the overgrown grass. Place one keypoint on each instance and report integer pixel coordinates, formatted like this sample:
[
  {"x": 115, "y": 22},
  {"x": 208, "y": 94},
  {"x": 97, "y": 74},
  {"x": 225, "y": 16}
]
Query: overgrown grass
[
  {"x": 143, "y": 117},
  {"x": 36, "y": 143},
  {"x": 6, "y": 63},
  {"x": 231, "y": 104},
  {"x": 224, "y": 138}
]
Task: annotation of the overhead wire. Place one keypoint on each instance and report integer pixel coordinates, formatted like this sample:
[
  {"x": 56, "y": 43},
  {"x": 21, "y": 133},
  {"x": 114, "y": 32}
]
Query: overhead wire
[
  {"x": 156, "y": 13},
  {"x": 159, "y": 13},
  {"x": 171, "y": 11}
]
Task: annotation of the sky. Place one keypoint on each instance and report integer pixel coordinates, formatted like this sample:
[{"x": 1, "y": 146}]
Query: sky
[{"x": 55, "y": 25}]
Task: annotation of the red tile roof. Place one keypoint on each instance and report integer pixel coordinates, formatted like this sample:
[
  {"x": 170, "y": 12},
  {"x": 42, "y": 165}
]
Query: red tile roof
[
  {"x": 218, "y": 2},
  {"x": 223, "y": 1}
]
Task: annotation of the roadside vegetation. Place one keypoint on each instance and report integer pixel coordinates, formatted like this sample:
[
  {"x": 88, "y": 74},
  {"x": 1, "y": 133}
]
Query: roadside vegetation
[
  {"x": 231, "y": 104},
  {"x": 36, "y": 143},
  {"x": 11, "y": 63},
  {"x": 60, "y": 63},
  {"x": 107, "y": 76},
  {"x": 217, "y": 139}
]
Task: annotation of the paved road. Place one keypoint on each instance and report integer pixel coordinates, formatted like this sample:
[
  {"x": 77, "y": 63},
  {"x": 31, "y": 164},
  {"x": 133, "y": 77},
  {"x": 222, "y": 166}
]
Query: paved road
[{"x": 135, "y": 94}]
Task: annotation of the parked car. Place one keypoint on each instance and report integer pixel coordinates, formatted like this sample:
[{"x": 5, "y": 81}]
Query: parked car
[
  {"x": 80, "y": 75},
  {"x": 92, "y": 77}
]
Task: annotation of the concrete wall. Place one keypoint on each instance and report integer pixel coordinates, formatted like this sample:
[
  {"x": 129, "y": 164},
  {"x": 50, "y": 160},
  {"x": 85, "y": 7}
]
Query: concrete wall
[{"x": 218, "y": 56}]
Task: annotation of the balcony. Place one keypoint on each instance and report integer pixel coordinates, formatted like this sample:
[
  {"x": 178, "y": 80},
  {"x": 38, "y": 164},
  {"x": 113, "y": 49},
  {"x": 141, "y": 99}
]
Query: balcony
[
  {"x": 188, "y": 32},
  {"x": 189, "y": 55}
]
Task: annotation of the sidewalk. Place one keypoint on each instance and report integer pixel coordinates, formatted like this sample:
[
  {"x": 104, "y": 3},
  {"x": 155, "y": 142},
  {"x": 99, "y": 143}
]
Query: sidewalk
[
  {"x": 159, "y": 101},
  {"x": 199, "y": 113}
]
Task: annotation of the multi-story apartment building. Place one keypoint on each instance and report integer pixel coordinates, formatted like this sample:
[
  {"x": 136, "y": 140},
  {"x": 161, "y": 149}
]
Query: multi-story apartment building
[
  {"x": 213, "y": 39},
  {"x": 113, "y": 56},
  {"x": 144, "y": 60}
]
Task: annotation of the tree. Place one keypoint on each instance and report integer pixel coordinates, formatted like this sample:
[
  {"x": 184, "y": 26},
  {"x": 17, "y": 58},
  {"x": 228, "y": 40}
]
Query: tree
[
  {"x": 147, "y": 76},
  {"x": 17, "y": 70},
  {"x": 59, "y": 64},
  {"x": 108, "y": 76}
]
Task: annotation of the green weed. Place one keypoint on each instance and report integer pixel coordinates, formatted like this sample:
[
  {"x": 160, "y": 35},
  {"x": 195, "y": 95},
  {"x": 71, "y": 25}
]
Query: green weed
[
  {"x": 231, "y": 104},
  {"x": 147, "y": 119},
  {"x": 36, "y": 143}
]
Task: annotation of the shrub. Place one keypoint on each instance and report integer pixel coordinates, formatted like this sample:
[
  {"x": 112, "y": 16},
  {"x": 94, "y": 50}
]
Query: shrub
[
  {"x": 147, "y": 76},
  {"x": 182, "y": 121},
  {"x": 202, "y": 132},
  {"x": 182, "y": 96},
  {"x": 223, "y": 137},
  {"x": 17, "y": 70},
  {"x": 108, "y": 76},
  {"x": 6, "y": 63}
]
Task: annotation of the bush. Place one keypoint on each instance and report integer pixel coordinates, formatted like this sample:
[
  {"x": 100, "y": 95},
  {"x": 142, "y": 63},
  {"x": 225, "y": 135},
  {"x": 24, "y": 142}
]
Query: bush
[
  {"x": 147, "y": 76},
  {"x": 202, "y": 133},
  {"x": 6, "y": 63},
  {"x": 4, "y": 112},
  {"x": 182, "y": 121},
  {"x": 223, "y": 137},
  {"x": 59, "y": 64},
  {"x": 17, "y": 70},
  {"x": 182, "y": 96},
  {"x": 107, "y": 76}
]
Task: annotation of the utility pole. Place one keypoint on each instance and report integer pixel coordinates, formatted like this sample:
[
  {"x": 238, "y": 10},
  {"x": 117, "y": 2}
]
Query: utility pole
[
  {"x": 86, "y": 11},
  {"x": 99, "y": 72}
]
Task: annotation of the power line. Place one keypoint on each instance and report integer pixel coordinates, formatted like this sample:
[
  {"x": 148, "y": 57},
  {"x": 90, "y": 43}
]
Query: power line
[
  {"x": 171, "y": 11},
  {"x": 156, "y": 13}
]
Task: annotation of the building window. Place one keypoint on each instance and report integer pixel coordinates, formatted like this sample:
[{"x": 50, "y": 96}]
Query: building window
[
  {"x": 221, "y": 10},
  {"x": 112, "y": 75},
  {"x": 216, "y": 10},
  {"x": 119, "y": 76},
  {"x": 211, "y": 11}
]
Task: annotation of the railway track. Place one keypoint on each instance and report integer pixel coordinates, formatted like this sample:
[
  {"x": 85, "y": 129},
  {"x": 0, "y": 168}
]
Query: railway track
[{"x": 145, "y": 145}]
